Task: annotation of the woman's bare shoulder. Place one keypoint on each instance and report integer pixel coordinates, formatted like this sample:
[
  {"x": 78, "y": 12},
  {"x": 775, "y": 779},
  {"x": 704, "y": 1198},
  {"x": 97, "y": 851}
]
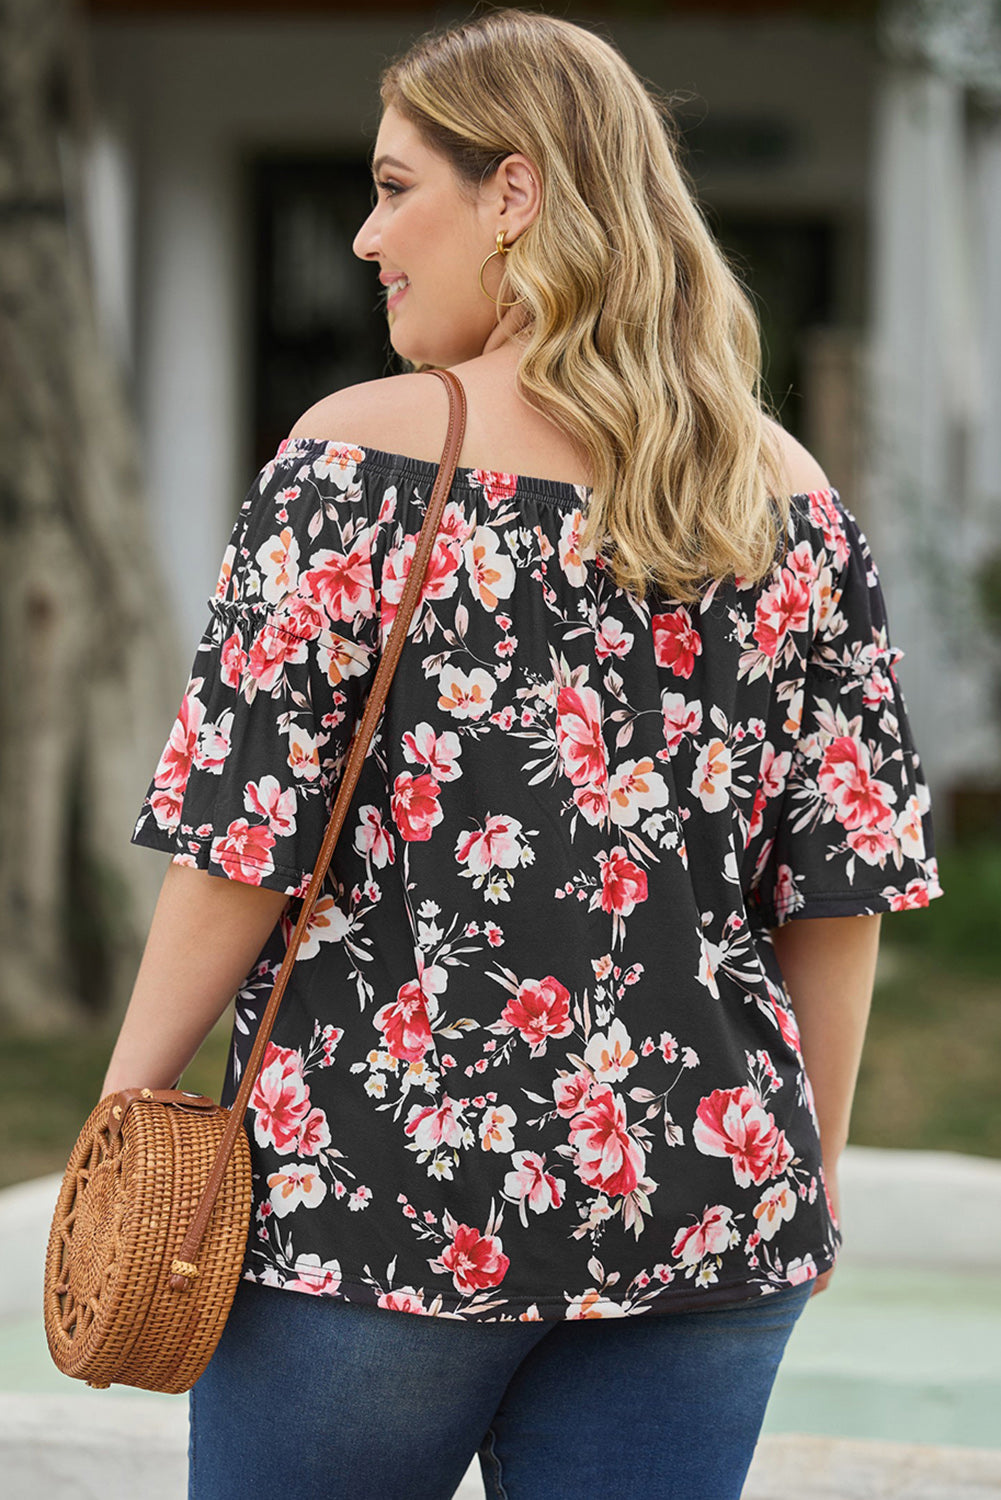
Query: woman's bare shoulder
[
  {"x": 800, "y": 470},
  {"x": 372, "y": 413}
]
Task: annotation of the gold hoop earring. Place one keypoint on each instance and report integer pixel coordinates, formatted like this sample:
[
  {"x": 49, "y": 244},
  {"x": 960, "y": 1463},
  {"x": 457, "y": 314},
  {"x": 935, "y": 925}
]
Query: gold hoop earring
[{"x": 501, "y": 250}]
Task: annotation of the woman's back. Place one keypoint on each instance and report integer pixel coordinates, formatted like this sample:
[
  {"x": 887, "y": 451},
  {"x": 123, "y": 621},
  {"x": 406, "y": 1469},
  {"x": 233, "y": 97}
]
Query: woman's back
[{"x": 536, "y": 1057}]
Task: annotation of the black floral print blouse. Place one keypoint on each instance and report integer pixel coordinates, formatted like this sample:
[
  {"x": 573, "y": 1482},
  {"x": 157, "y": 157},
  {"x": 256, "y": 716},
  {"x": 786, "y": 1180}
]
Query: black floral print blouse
[{"x": 536, "y": 1059}]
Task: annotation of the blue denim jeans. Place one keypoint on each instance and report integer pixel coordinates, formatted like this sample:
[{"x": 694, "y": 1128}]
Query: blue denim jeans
[{"x": 313, "y": 1398}]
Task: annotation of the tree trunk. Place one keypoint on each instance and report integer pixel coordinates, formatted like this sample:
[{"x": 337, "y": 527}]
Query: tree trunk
[{"x": 88, "y": 666}]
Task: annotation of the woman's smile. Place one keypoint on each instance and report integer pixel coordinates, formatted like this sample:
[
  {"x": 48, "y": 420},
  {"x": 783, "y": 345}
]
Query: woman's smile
[{"x": 394, "y": 297}]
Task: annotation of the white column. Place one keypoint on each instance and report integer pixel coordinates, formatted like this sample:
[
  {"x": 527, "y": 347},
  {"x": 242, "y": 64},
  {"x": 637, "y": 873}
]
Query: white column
[
  {"x": 922, "y": 373},
  {"x": 109, "y": 214},
  {"x": 191, "y": 387},
  {"x": 985, "y": 192}
]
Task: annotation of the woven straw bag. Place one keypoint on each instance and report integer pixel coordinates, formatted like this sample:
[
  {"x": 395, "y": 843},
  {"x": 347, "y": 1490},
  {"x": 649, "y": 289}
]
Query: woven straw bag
[{"x": 150, "y": 1228}]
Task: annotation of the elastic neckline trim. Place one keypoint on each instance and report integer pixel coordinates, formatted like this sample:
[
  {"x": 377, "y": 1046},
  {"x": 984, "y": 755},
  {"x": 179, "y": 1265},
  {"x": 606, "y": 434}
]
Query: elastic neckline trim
[
  {"x": 381, "y": 458},
  {"x": 548, "y": 489}
]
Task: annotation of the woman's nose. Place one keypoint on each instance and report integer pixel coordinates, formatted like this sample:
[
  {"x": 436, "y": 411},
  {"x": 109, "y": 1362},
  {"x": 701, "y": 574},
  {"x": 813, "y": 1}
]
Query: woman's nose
[{"x": 364, "y": 242}]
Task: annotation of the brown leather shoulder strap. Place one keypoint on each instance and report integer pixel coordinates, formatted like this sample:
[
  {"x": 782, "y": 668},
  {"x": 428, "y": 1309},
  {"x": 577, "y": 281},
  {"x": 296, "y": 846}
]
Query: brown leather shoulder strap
[{"x": 352, "y": 769}]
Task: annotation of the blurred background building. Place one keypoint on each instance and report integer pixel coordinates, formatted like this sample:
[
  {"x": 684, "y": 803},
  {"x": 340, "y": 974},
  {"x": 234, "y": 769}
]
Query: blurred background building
[{"x": 848, "y": 157}]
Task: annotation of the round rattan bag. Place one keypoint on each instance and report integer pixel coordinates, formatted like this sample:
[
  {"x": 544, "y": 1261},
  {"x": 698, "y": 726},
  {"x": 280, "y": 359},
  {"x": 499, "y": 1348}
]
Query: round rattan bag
[
  {"x": 130, "y": 1190},
  {"x": 150, "y": 1229}
]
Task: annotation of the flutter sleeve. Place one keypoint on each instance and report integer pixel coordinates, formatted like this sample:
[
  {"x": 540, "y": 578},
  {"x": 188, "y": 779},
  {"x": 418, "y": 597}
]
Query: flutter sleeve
[
  {"x": 854, "y": 833},
  {"x": 248, "y": 775}
]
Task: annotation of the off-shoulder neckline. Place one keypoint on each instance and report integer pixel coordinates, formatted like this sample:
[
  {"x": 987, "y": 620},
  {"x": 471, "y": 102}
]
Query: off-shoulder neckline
[{"x": 382, "y": 458}]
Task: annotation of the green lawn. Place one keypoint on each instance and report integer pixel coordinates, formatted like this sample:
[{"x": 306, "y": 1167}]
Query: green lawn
[
  {"x": 928, "y": 1078},
  {"x": 49, "y": 1085}
]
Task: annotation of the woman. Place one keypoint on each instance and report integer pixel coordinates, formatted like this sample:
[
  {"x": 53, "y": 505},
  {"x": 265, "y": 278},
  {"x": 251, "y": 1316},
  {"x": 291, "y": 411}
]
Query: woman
[{"x": 550, "y": 1118}]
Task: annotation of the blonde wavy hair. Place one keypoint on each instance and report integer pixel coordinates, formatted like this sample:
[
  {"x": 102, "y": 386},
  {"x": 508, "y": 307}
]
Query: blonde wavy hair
[{"x": 640, "y": 342}]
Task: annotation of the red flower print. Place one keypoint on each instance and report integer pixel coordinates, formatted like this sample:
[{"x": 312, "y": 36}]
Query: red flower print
[
  {"x": 166, "y": 806},
  {"x": 269, "y": 651},
  {"x": 232, "y": 661},
  {"x": 711, "y": 1236},
  {"x": 801, "y": 1268},
  {"x": 540, "y": 1009},
  {"x": 530, "y": 1186},
  {"x": 415, "y": 806},
  {"x": 915, "y": 894},
  {"x": 607, "y": 1155},
  {"x": 430, "y": 1126},
  {"x": 496, "y": 843},
  {"x": 440, "y": 580},
  {"x": 773, "y": 770},
  {"x": 174, "y": 766},
  {"x": 783, "y": 607},
  {"x": 680, "y": 718},
  {"x": 873, "y": 844},
  {"x": 676, "y": 642},
  {"x": 302, "y": 616},
  {"x": 312, "y": 1277},
  {"x": 623, "y": 884},
  {"x": 281, "y": 1100},
  {"x": 570, "y": 1090},
  {"x": 844, "y": 777},
  {"x": 824, "y": 513},
  {"x": 475, "y": 1260},
  {"x": 405, "y": 1299},
  {"x": 735, "y": 1123},
  {"x": 342, "y": 581},
  {"x": 438, "y": 752},
  {"x": 495, "y": 484},
  {"x": 757, "y": 810},
  {"x": 314, "y": 1135},
  {"x": 578, "y": 734},
  {"x": 268, "y": 801},
  {"x": 245, "y": 851},
  {"x": 592, "y": 802},
  {"x": 641, "y": 787},
  {"x": 404, "y": 1023},
  {"x": 373, "y": 838},
  {"x": 788, "y": 1027}
]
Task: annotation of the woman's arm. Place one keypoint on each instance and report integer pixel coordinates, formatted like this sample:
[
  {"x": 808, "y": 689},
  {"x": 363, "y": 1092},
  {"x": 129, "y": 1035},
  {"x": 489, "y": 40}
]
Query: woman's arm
[
  {"x": 203, "y": 940},
  {"x": 829, "y": 965}
]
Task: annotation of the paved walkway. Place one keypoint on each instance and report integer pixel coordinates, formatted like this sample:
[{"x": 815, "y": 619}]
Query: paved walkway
[{"x": 65, "y": 1448}]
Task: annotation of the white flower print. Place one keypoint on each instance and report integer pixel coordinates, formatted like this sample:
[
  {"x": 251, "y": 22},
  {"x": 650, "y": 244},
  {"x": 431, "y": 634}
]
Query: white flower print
[
  {"x": 495, "y": 1128},
  {"x": 439, "y": 753},
  {"x": 635, "y": 785},
  {"x": 267, "y": 799},
  {"x": 327, "y": 924},
  {"x": 612, "y": 639},
  {"x": 303, "y": 755},
  {"x": 775, "y": 1207},
  {"x": 465, "y": 695},
  {"x": 610, "y": 1055},
  {"x": 681, "y": 718},
  {"x": 530, "y": 1186},
  {"x": 712, "y": 775},
  {"x": 573, "y": 558},
  {"x": 491, "y": 572},
  {"x": 279, "y": 559},
  {"x": 298, "y": 1184},
  {"x": 312, "y": 1276},
  {"x": 496, "y": 843}
]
